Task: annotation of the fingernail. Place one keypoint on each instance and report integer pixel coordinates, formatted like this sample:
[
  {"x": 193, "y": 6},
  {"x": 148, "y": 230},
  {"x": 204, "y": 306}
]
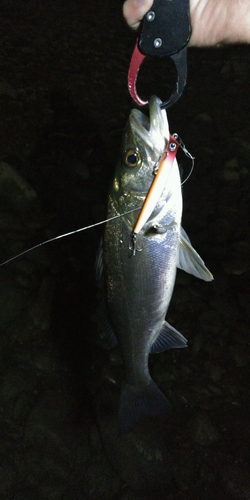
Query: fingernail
[{"x": 139, "y": 3}]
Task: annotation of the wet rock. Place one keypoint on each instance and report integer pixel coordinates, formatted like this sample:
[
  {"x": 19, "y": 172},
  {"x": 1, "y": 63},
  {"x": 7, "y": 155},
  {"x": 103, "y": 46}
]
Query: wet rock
[
  {"x": 51, "y": 419},
  {"x": 224, "y": 304},
  {"x": 7, "y": 90},
  {"x": 21, "y": 406},
  {"x": 27, "y": 50},
  {"x": 132, "y": 495},
  {"x": 184, "y": 467},
  {"x": 230, "y": 176},
  {"x": 236, "y": 480},
  {"x": 220, "y": 230},
  {"x": 101, "y": 481},
  {"x": 230, "y": 171},
  {"x": 215, "y": 371},
  {"x": 39, "y": 313},
  {"x": 99, "y": 478},
  {"x": 233, "y": 163},
  {"x": 14, "y": 383},
  {"x": 17, "y": 396},
  {"x": 240, "y": 355},
  {"x": 95, "y": 442},
  {"x": 202, "y": 430},
  {"x": 244, "y": 300},
  {"x": 210, "y": 321},
  {"x": 7, "y": 472},
  {"x": 42, "y": 357},
  {"x": 54, "y": 455},
  {"x": 236, "y": 266},
  {"x": 37, "y": 260},
  {"x": 227, "y": 202},
  {"x": 16, "y": 194},
  {"x": 203, "y": 130},
  {"x": 244, "y": 147},
  {"x": 12, "y": 298},
  {"x": 197, "y": 342},
  {"x": 244, "y": 174},
  {"x": 51, "y": 490},
  {"x": 81, "y": 169}
]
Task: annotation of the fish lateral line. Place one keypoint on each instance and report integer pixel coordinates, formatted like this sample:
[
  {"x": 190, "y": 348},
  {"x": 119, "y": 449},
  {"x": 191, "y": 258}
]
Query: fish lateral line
[{"x": 70, "y": 233}]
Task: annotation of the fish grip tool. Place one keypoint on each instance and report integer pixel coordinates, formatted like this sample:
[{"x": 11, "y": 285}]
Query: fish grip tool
[
  {"x": 161, "y": 172},
  {"x": 165, "y": 31}
]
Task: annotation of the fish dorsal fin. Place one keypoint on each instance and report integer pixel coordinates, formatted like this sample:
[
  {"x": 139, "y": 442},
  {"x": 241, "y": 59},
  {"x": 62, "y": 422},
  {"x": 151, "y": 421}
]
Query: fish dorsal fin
[
  {"x": 190, "y": 261},
  {"x": 168, "y": 338}
]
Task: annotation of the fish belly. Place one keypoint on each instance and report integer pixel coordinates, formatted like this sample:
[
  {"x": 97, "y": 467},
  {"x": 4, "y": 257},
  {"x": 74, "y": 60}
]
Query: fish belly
[{"x": 138, "y": 292}]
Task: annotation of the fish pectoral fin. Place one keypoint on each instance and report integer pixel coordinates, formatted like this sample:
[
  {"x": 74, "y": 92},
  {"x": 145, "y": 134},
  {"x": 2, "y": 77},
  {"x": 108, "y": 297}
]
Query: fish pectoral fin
[
  {"x": 168, "y": 338},
  {"x": 103, "y": 318},
  {"x": 190, "y": 261},
  {"x": 99, "y": 262},
  {"x": 159, "y": 229},
  {"x": 141, "y": 402}
]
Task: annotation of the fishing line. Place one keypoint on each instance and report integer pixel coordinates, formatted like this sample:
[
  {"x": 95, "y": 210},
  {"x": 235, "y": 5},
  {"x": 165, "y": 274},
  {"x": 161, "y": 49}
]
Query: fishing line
[
  {"x": 187, "y": 153},
  {"x": 68, "y": 234},
  {"x": 191, "y": 170}
]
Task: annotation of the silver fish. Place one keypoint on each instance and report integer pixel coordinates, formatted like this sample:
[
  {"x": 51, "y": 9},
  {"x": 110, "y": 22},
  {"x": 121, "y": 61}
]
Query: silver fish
[{"x": 138, "y": 289}]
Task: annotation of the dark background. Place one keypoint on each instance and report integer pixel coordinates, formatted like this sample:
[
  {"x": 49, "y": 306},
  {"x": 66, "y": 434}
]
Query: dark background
[{"x": 64, "y": 103}]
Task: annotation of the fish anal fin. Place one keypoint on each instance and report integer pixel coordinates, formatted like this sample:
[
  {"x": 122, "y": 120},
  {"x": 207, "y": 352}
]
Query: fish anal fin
[{"x": 168, "y": 338}]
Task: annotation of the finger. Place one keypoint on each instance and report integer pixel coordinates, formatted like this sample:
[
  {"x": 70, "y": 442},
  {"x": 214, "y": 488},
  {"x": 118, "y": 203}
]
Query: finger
[{"x": 134, "y": 10}]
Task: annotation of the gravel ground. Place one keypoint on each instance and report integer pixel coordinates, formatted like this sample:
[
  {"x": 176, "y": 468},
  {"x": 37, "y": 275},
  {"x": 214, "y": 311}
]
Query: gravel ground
[{"x": 64, "y": 104}]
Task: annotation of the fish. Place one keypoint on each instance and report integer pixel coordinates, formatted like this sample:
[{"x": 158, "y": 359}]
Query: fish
[{"x": 138, "y": 285}]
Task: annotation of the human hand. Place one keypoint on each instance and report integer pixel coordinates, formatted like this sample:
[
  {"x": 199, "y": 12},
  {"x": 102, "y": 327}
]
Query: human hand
[{"x": 214, "y": 22}]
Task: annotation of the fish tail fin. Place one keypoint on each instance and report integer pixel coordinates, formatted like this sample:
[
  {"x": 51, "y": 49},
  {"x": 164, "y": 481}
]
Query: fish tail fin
[{"x": 140, "y": 402}]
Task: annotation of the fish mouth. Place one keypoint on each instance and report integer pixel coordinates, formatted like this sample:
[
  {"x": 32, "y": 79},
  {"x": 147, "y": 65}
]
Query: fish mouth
[{"x": 153, "y": 131}]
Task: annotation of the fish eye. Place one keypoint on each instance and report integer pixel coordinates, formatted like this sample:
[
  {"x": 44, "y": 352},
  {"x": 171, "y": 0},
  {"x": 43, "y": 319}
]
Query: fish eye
[{"x": 132, "y": 158}]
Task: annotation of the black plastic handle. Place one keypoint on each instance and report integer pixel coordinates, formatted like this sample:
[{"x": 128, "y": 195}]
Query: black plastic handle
[{"x": 166, "y": 28}]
